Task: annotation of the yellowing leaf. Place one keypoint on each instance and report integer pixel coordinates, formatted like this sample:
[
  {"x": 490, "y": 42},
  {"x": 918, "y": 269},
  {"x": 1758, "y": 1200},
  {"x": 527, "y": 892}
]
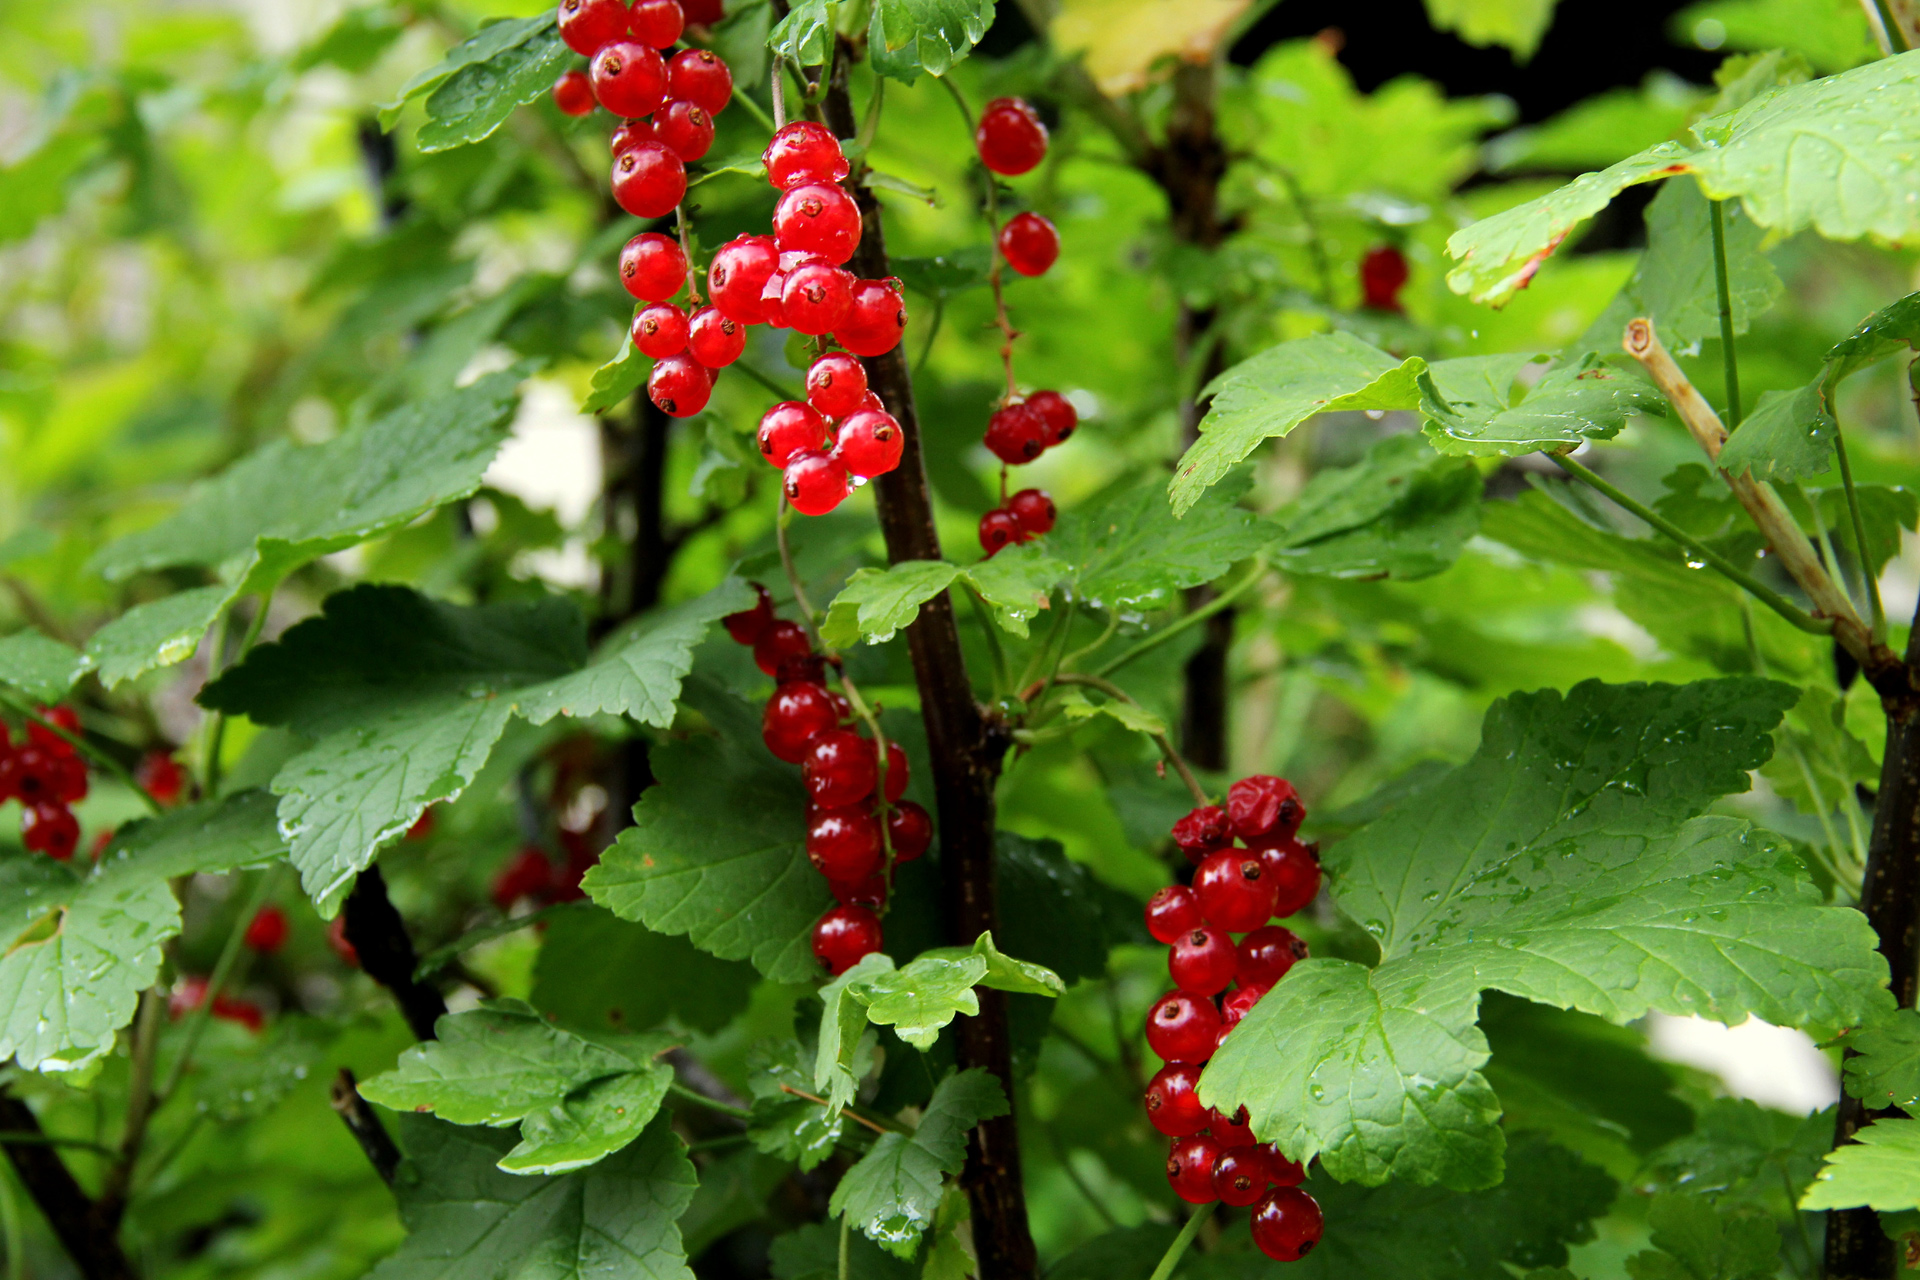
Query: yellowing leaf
[{"x": 1123, "y": 39}]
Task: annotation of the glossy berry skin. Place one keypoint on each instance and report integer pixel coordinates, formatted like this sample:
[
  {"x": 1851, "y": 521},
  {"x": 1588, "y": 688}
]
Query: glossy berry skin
[
  {"x": 1234, "y": 890},
  {"x": 1262, "y": 805},
  {"x": 804, "y": 152},
  {"x": 790, "y": 429},
  {"x": 1056, "y": 413},
  {"x": 1171, "y": 913},
  {"x": 870, "y": 892},
  {"x": 1033, "y": 511},
  {"x": 780, "y": 641},
  {"x": 1190, "y": 1168},
  {"x": 701, "y": 77},
  {"x": 1232, "y": 1131},
  {"x": 649, "y": 180},
  {"x": 160, "y": 777},
  {"x": 1383, "y": 273},
  {"x": 1240, "y": 1176},
  {"x": 267, "y": 931},
  {"x": 839, "y": 768},
  {"x": 1014, "y": 435},
  {"x": 870, "y": 443},
  {"x": 1182, "y": 1027},
  {"x": 1173, "y": 1101},
  {"x": 1202, "y": 961},
  {"x": 909, "y": 830},
  {"x": 573, "y": 94},
  {"x": 50, "y": 828},
  {"x": 713, "y": 339},
  {"x": 815, "y": 298},
  {"x": 1287, "y": 1224},
  {"x": 685, "y": 129},
  {"x": 679, "y": 386},
  {"x": 770, "y": 299},
  {"x": 656, "y": 23},
  {"x": 739, "y": 273},
  {"x": 844, "y": 936},
  {"x": 653, "y": 267},
  {"x": 815, "y": 483},
  {"x": 588, "y": 25},
  {"x": 1202, "y": 831},
  {"x": 749, "y": 625},
  {"x": 629, "y": 135},
  {"x": 1267, "y": 954},
  {"x": 844, "y": 843},
  {"x": 797, "y": 711},
  {"x": 836, "y": 383},
  {"x": 1284, "y": 1172},
  {"x": 1010, "y": 138},
  {"x": 660, "y": 330},
  {"x": 629, "y": 79},
  {"x": 703, "y": 12},
  {"x": 817, "y": 218},
  {"x": 1030, "y": 244},
  {"x": 897, "y": 772},
  {"x": 998, "y": 529},
  {"x": 1294, "y": 870},
  {"x": 876, "y": 320}
]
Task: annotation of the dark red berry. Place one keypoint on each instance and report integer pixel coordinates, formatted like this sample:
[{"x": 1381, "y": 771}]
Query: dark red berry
[
  {"x": 50, "y": 828},
  {"x": 680, "y": 386},
  {"x": 1230, "y": 1131},
  {"x": 1190, "y": 1168},
  {"x": 790, "y": 429},
  {"x": 1172, "y": 912},
  {"x": 1383, "y": 273},
  {"x": 686, "y": 129},
  {"x": 1202, "y": 831},
  {"x": 870, "y": 443},
  {"x": 1202, "y": 961},
  {"x": 267, "y": 931},
  {"x": 844, "y": 843},
  {"x": 422, "y": 827},
  {"x": 629, "y": 135},
  {"x": 1182, "y": 1027},
  {"x": 876, "y": 320},
  {"x": 836, "y": 383},
  {"x": 1030, "y": 244},
  {"x": 897, "y": 772},
  {"x": 815, "y": 298},
  {"x": 839, "y": 768},
  {"x": 1015, "y": 435},
  {"x": 797, "y": 711},
  {"x": 817, "y": 218},
  {"x": 770, "y": 296},
  {"x": 528, "y": 875},
  {"x": 160, "y": 777},
  {"x": 573, "y": 94},
  {"x": 1173, "y": 1101},
  {"x": 653, "y": 267},
  {"x": 1057, "y": 413},
  {"x": 909, "y": 830},
  {"x": 1033, "y": 511},
  {"x": 748, "y": 625},
  {"x": 63, "y": 718},
  {"x": 703, "y": 13},
  {"x": 1234, "y": 890},
  {"x": 713, "y": 339},
  {"x": 656, "y": 23},
  {"x": 1240, "y": 1176},
  {"x": 1284, "y": 1172},
  {"x": 1294, "y": 869},
  {"x": 739, "y": 274},
  {"x": 649, "y": 180},
  {"x": 998, "y": 529},
  {"x": 804, "y": 152},
  {"x": 779, "y": 641},
  {"x": 1010, "y": 137},
  {"x": 630, "y": 80},
  {"x": 844, "y": 936},
  {"x": 1267, "y": 953},
  {"x": 338, "y": 944},
  {"x": 1287, "y": 1224},
  {"x": 1263, "y": 805},
  {"x": 702, "y": 78},
  {"x": 870, "y": 892},
  {"x": 660, "y": 330},
  {"x": 589, "y": 25},
  {"x": 815, "y": 483}
]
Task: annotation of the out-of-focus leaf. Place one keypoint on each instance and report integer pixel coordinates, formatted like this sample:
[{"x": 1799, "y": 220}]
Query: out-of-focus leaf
[
  {"x": 1126, "y": 40},
  {"x": 1517, "y": 24},
  {"x": 1695, "y": 1239},
  {"x": 1401, "y": 512},
  {"x": 157, "y": 634},
  {"x": 40, "y": 667},
  {"x": 599, "y": 972},
  {"x": 1884, "y": 1068}
]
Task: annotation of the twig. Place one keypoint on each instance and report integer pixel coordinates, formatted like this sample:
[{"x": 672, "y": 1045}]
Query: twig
[
  {"x": 1874, "y": 603},
  {"x": 877, "y": 1125},
  {"x": 379, "y": 936},
  {"x": 363, "y": 1122},
  {"x": 1178, "y": 1249},
  {"x": 679, "y": 1090},
  {"x": 94, "y": 1247},
  {"x": 1222, "y": 601},
  {"x": 1115, "y": 692},
  {"x": 112, "y": 1200},
  {"x": 223, "y": 970}
]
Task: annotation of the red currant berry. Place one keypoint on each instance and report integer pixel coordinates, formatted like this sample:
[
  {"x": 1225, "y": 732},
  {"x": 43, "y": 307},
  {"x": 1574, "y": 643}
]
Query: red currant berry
[
  {"x": 909, "y": 830},
  {"x": 630, "y": 80},
  {"x": 713, "y": 339},
  {"x": 1182, "y": 1027},
  {"x": 1240, "y": 1177},
  {"x": 588, "y": 25},
  {"x": 1383, "y": 272},
  {"x": 739, "y": 274},
  {"x": 1294, "y": 870},
  {"x": 69, "y": 779},
  {"x": 703, "y": 13},
  {"x": 629, "y": 135},
  {"x": 1057, "y": 412},
  {"x": 804, "y": 152},
  {"x": 159, "y": 776},
  {"x": 1287, "y": 1224},
  {"x": 1267, "y": 953},
  {"x": 1190, "y": 1168},
  {"x": 1202, "y": 831},
  {"x": 50, "y": 828},
  {"x": 876, "y": 320},
  {"x": 815, "y": 298},
  {"x": 815, "y": 483},
  {"x": 1239, "y": 1003},
  {"x": 1010, "y": 137},
  {"x": 770, "y": 300},
  {"x": 844, "y": 844},
  {"x": 817, "y": 218},
  {"x": 797, "y": 710},
  {"x": 897, "y": 772},
  {"x": 1015, "y": 435},
  {"x": 845, "y": 936},
  {"x": 1263, "y": 805},
  {"x": 790, "y": 429},
  {"x": 660, "y": 330},
  {"x": 656, "y": 23},
  {"x": 1283, "y": 1172},
  {"x": 1030, "y": 244},
  {"x": 63, "y": 718},
  {"x": 267, "y": 931},
  {"x": 1172, "y": 912},
  {"x": 685, "y": 129},
  {"x": 649, "y": 180},
  {"x": 812, "y": 668},
  {"x": 679, "y": 386},
  {"x": 998, "y": 529},
  {"x": 1033, "y": 511},
  {"x": 749, "y": 625},
  {"x": 573, "y": 94},
  {"x": 653, "y": 267},
  {"x": 1230, "y": 1132},
  {"x": 836, "y": 384},
  {"x": 702, "y": 78},
  {"x": 1202, "y": 961},
  {"x": 838, "y": 768},
  {"x": 870, "y": 892},
  {"x": 871, "y": 443},
  {"x": 338, "y": 944},
  {"x": 1173, "y": 1101},
  {"x": 778, "y": 642},
  {"x": 1234, "y": 889}
]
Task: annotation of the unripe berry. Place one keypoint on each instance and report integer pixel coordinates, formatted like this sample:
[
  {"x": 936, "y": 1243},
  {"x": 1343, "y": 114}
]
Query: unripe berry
[
  {"x": 1287, "y": 1224},
  {"x": 1173, "y": 1101},
  {"x": 844, "y": 843},
  {"x": 1171, "y": 912},
  {"x": 1030, "y": 244},
  {"x": 815, "y": 483},
  {"x": 998, "y": 529},
  {"x": 1234, "y": 890},
  {"x": 649, "y": 180},
  {"x": 1201, "y": 961},
  {"x": 656, "y": 23},
  {"x": 1182, "y": 1027},
  {"x": 817, "y": 218},
  {"x": 804, "y": 152},
  {"x": 779, "y": 641},
  {"x": 749, "y": 625},
  {"x": 589, "y": 25},
  {"x": 702, "y": 78},
  {"x": 685, "y": 129},
  {"x": 870, "y": 443},
  {"x": 1240, "y": 1176},
  {"x": 1294, "y": 869},
  {"x": 738, "y": 275},
  {"x": 1010, "y": 138},
  {"x": 1267, "y": 954},
  {"x": 1015, "y": 435},
  {"x": 1190, "y": 1168},
  {"x": 844, "y": 936},
  {"x": 790, "y": 429},
  {"x": 1033, "y": 511},
  {"x": 797, "y": 711},
  {"x": 1056, "y": 412},
  {"x": 660, "y": 330},
  {"x": 629, "y": 80},
  {"x": 680, "y": 386},
  {"x": 573, "y": 94},
  {"x": 839, "y": 768},
  {"x": 815, "y": 298},
  {"x": 909, "y": 830},
  {"x": 1263, "y": 805},
  {"x": 836, "y": 384},
  {"x": 715, "y": 340},
  {"x": 653, "y": 267}
]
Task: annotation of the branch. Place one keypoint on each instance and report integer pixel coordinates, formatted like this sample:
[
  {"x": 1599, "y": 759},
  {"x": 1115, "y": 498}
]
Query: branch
[
  {"x": 94, "y": 1246},
  {"x": 380, "y": 938},
  {"x": 363, "y": 1122}
]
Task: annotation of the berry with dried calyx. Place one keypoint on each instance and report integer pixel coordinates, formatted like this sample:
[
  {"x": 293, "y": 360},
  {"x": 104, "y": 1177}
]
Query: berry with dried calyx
[
  {"x": 1287, "y": 1224},
  {"x": 1202, "y": 961},
  {"x": 1056, "y": 413},
  {"x": 629, "y": 135},
  {"x": 998, "y": 530},
  {"x": 1015, "y": 435},
  {"x": 1033, "y": 511},
  {"x": 779, "y": 641},
  {"x": 815, "y": 483},
  {"x": 686, "y": 129},
  {"x": 870, "y": 443},
  {"x": 660, "y": 330},
  {"x": 798, "y": 710},
  {"x": 836, "y": 384},
  {"x": 844, "y": 936},
  {"x": 1183, "y": 1027},
  {"x": 1030, "y": 244},
  {"x": 876, "y": 320},
  {"x": 816, "y": 218},
  {"x": 1173, "y": 1101},
  {"x": 1234, "y": 890},
  {"x": 815, "y": 298},
  {"x": 1202, "y": 831},
  {"x": 701, "y": 77},
  {"x": 790, "y": 429},
  {"x": 738, "y": 275},
  {"x": 1263, "y": 806},
  {"x": 589, "y": 25},
  {"x": 1010, "y": 138},
  {"x": 653, "y": 267},
  {"x": 656, "y": 23},
  {"x": 680, "y": 386},
  {"x": 1230, "y": 1131},
  {"x": 804, "y": 152},
  {"x": 1267, "y": 954},
  {"x": 909, "y": 831},
  {"x": 630, "y": 80},
  {"x": 748, "y": 625},
  {"x": 714, "y": 339},
  {"x": 1172, "y": 912},
  {"x": 649, "y": 180},
  {"x": 1190, "y": 1168},
  {"x": 573, "y": 94},
  {"x": 1240, "y": 1177}
]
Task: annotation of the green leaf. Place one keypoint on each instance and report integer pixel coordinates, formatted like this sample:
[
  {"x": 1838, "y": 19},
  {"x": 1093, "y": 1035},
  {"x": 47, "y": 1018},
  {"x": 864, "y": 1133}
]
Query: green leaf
[
  {"x": 1676, "y": 283},
  {"x": 1563, "y": 864},
  {"x": 1401, "y": 512},
  {"x": 1884, "y": 1068},
  {"x": 784, "y": 1125},
  {"x": 814, "y": 1250},
  {"x": 1877, "y": 337},
  {"x": 1879, "y": 1168},
  {"x": 892, "y": 1193},
  {"x": 263, "y": 1071},
  {"x": 1274, "y": 392},
  {"x": 157, "y": 634},
  {"x": 906, "y": 37},
  {"x": 923, "y": 996},
  {"x": 1054, "y": 912},
  {"x": 81, "y": 947},
  {"x": 598, "y": 972},
  {"x": 1517, "y": 24},
  {"x": 1788, "y": 436},
  {"x": 942, "y": 277},
  {"x": 805, "y": 35},
  {"x": 466, "y": 1218},
  {"x": 1129, "y": 549},
  {"x": 1076, "y": 705},
  {"x": 40, "y": 667},
  {"x": 842, "y": 1054},
  {"x": 617, "y": 379},
  {"x": 1015, "y": 583},
  {"x": 477, "y": 85},
  {"x": 1569, "y": 405},
  {"x": 877, "y": 603},
  {"x": 1698, "y": 1240},
  {"x": 1819, "y": 762}
]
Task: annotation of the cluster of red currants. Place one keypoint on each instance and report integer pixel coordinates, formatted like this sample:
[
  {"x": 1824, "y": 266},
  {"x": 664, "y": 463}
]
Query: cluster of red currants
[
  {"x": 532, "y": 874},
  {"x": 854, "y": 838},
  {"x": 1234, "y": 890},
  {"x": 47, "y": 776}
]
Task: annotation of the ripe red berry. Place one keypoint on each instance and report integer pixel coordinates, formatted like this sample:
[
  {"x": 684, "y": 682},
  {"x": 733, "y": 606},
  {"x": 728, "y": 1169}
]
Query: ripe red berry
[
  {"x": 748, "y": 625},
  {"x": 1172, "y": 912},
  {"x": 703, "y": 12},
  {"x": 1202, "y": 961},
  {"x": 876, "y": 320},
  {"x": 528, "y": 875},
  {"x": 998, "y": 529},
  {"x": 679, "y": 386},
  {"x": 656, "y": 23},
  {"x": 1182, "y": 1027},
  {"x": 1010, "y": 137},
  {"x": 649, "y": 180},
  {"x": 702, "y": 78},
  {"x": 660, "y": 330},
  {"x": 1284, "y": 1172},
  {"x": 790, "y": 429},
  {"x": 817, "y": 218},
  {"x": 629, "y": 80},
  {"x": 1190, "y": 1168},
  {"x": 338, "y": 944},
  {"x": 267, "y": 931},
  {"x": 797, "y": 710},
  {"x": 1033, "y": 511},
  {"x": 1287, "y": 1224},
  {"x": 159, "y": 777},
  {"x": 63, "y": 718},
  {"x": 573, "y": 94},
  {"x": 738, "y": 275},
  {"x": 909, "y": 830},
  {"x": 804, "y": 152},
  {"x": 713, "y": 339},
  {"x": 1294, "y": 870},
  {"x": 588, "y": 25},
  {"x": 1240, "y": 1176},
  {"x": 1173, "y": 1101},
  {"x": 1056, "y": 412},
  {"x": 870, "y": 892},
  {"x": 1234, "y": 890},
  {"x": 1383, "y": 273},
  {"x": 1267, "y": 953},
  {"x": 844, "y": 936},
  {"x": 1030, "y": 244},
  {"x": 844, "y": 843},
  {"x": 836, "y": 384},
  {"x": 870, "y": 443},
  {"x": 1231, "y": 1131},
  {"x": 770, "y": 299},
  {"x": 1202, "y": 831},
  {"x": 815, "y": 483},
  {"x": 50, "y": 828},
  {"x": 839, "y": 768},
  {"x": 778, "y": 642},
  {"x": 1015, "y": 435},
  {"x": 815, "y": 298},
  {"x": 1262, "y": 805},
  {"x": 653, "y": 267},
  {"x": 629, "y": 135},
  {"x": 686, "y": 129},
  {"x": 897, "y": 772}
]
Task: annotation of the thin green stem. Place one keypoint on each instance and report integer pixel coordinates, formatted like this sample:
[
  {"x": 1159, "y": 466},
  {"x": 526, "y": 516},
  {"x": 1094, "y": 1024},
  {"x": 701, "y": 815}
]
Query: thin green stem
[
  {"x": 754, "y": 109},
  {"x": 870, "y": 123},
  {"x": 1316, "y": 247},
  {"x": 846, "y": 1242},
  {"x": 1002, "y": 678},
  {"x": 85, "y": 748},
  {"x": 1038, "y": 662},
  {"x": 679, "y": 1090},
  {"x": 10, "y": 1226},
  {"x": 933, "y": 331},
  {"x": 777, "y": 85},
  {"x": 785, "y": 393},
  {"x": 1178, "y": 1249},
  {"x": 223, "y": 969},
  {"x": 1859, "y": 535},
  {"x": 1118, "y": 694},
  {"x": 1098, "y": 642},
  {"x": 1729, "y": 360},
  {"x": 1831, "y": 861},
  {"x": 1224, "y": 600},
  {"x": 1066, "y": 635},
  {"x": 1896, "y": 34},
  {"x": 1766, "y": 595}
]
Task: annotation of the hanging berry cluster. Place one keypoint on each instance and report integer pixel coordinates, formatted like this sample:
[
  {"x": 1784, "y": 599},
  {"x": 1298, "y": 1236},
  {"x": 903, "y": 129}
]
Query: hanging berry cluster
[
  {"x": 854, "y": 838},
  {"x": 1236, "y": 890},
  {"x": 47, "y": 776}
]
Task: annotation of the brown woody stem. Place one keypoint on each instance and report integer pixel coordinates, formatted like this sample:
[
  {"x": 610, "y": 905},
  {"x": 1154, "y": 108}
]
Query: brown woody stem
[{"x": 94, "y": 1245}]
